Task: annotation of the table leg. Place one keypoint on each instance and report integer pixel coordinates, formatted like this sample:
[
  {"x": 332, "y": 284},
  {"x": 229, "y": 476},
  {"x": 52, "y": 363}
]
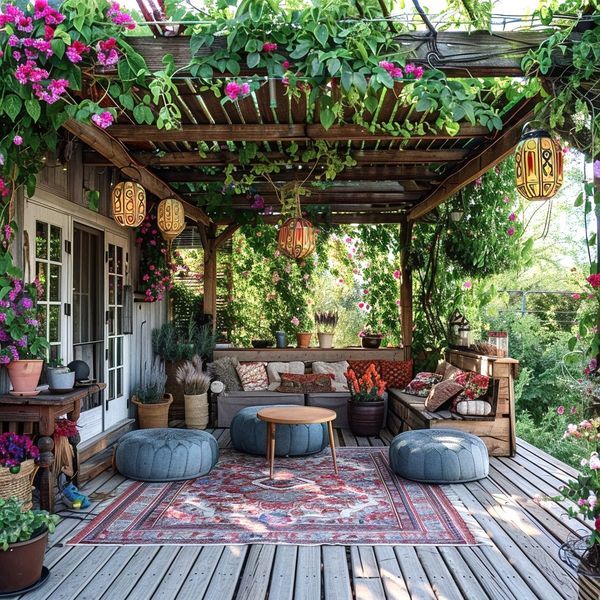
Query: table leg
[
  {"x": 332, "y": 445},
  {"x": 272, "y": 450},
  {"x": 46, "y": 446}
]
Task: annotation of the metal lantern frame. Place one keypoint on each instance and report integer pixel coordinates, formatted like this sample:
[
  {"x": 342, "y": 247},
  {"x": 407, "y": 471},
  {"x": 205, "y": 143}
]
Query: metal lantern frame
[
  {"x": 538, "y": 165},
  {"x": 128, "y": 200},
  {"x": 297, "y": 237}
]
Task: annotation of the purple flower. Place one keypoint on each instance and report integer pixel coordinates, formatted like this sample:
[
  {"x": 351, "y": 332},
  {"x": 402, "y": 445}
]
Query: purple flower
[
  {"x": 510, "y": 231},
  {"x": 118, "y": 17},
  {"x": 560, "y": 410},
  {"x": 103, "y": 120},
  {"x": 467, "y": 285},
  {"x": 17, "y": 140},
  {"x": 27, "y": 303},
  {"x": 512, "y": 217},
  {"x": 259, "y": 202},
  {"x": 597, "y": 169}
]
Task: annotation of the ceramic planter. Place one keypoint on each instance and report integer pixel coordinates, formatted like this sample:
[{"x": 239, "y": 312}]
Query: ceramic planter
[
  {"x": 281, "y": 339},
  {"x": 325, "y": 340},
  {"x": 371, "y": 341},
  {"x": 24, "y": 376},
  {"x": 303, "y": 339},
  {"x": 21, "y": 565},
  {"x": 153, "y": 416},
  {"x": 60, "y": 379},
  {"x": 196, "y": 411},
  {"x": 366, "y": 418}
]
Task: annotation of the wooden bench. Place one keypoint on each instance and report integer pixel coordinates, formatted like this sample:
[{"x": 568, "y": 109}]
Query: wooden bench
[{"x": 408, "y": 412}]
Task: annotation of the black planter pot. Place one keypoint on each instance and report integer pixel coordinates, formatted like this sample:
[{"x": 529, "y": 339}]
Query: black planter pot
[
  {"x": 366, "y": 418},
  {"x": 21, "y": 565},
  {"x": 371, "y": 341}
]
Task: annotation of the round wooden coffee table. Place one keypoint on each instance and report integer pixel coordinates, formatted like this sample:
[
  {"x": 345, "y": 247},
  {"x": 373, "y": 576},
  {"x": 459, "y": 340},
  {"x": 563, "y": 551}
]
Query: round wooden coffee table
[{"x": 295, "y": 415}]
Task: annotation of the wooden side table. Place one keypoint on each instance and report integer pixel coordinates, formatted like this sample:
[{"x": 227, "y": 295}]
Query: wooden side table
[
  {"x": 295, "y": 415},
  {"x": 43, "y": 410}
]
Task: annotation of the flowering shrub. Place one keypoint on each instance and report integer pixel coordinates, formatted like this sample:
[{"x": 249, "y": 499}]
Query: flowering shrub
[
  {"x": 368, "y": 388},
  {"x": 14, "y": 449},
  {"x": 19, "y": 337}
]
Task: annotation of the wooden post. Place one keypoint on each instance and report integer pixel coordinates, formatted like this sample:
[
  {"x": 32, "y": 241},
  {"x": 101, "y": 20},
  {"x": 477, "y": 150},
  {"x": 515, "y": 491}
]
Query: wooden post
[{"x": 406, "y": 292}]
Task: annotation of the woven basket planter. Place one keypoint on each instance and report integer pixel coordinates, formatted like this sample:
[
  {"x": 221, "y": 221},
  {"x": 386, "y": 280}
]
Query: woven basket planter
[
  {"x": 153, "y": 416},
  {"x": 18, "y": 485},
  {"x": 196, "y": 411}
]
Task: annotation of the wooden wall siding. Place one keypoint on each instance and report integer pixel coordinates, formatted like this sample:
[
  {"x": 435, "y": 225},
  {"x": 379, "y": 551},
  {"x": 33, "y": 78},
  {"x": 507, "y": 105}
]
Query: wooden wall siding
[
  {"x": 408, "y": 412},
  {"x": 310, "y": 354},
  {"x": 54, "y": 179},
  {"x": 99, "y": 179}
]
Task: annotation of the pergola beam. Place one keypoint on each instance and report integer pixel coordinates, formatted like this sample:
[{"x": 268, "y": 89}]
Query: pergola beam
[
  {"x": 338, "y": 219},
  {"x": 326, "y": 198},
  {"x": 117, "y": 154}
]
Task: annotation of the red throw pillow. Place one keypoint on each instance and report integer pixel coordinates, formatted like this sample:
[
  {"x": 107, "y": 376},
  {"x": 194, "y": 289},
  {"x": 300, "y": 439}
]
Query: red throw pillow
[
  {"x": 360, "y": 366},
  {"x": 396, "y": 373},
  {"x": 306, "y": 384}
]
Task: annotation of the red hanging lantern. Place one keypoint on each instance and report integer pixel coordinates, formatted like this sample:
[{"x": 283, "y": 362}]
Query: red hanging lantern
[
  {"x": 296, "y": 238},
  {"x": 538, "y": 165}
]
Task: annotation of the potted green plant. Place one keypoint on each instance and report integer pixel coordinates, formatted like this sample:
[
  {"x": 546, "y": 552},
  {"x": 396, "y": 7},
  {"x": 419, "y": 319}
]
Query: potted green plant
[
  {"x": 23, "y": 539},
  {"x": 303, "y": 334},
  {"x": 22, "y": 348},
  {"x": 151, "y": 400},
  {"x": 18, "y": 455},
  {"x": 326, "y": 322},
  {"x": 59, "y": 377},
  {"x": 366, "y": 405},
  {"x": 195, "y": 384},
  {"x": 371, "y": 337}
]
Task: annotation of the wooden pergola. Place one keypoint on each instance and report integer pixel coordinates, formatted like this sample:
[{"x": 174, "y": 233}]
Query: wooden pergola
[{"x": 395, "y": 180}]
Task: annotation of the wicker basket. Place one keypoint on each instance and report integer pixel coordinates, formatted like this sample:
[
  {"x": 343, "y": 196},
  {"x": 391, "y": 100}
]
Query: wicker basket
[
  {"x": 196, "y": 411},
  {"x": 152, "y": 416},
  {"x": 18, "y": 485}
]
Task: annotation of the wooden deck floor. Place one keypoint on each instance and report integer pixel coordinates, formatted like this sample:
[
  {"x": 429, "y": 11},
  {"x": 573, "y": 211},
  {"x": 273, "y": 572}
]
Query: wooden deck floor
[{"x": 522, "y": 563}]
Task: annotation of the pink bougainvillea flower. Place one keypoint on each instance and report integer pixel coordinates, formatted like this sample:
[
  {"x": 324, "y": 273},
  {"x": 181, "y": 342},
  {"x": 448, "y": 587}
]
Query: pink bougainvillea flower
[
  {"x": 295, "y": 321},
  {"x": 477, "y": 183},
  {"x": 512, "y": 217},
  {"x": 396, "y": 274},
  {"x": 269, "y": 47},
  {"x": 576, "y": 296},
  {"x": 106, "y": 52},
  {"x": 245, "y": 89},
  {"x": 76, "y": 51},
  {"x": 361, "y": 305},
  {"x": 365, "y": 291},
  {"x": 286, "y": 64},
  {"x": 398, "y": 302},
  {"x": 467, "y": 285},
  {"x": 233, "y": 89},
  {"x": 118, "y": 17},
  {"x": 510, "y": 231},
  {"x": 573, "y": 410},
  {"x": 560, "y": 410},
  {"x": 103, "y": 120},
  {"x": 17, "y": 140},
  {"x": 348, "y": 240},
  {"x": 594, "y": 280}
]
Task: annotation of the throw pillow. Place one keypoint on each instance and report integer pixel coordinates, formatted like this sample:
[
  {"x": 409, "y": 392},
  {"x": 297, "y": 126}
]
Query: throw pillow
[
  {"x": 441, "y": 393},
  {"x": 451, "y": 372},
  {"x": 305, "y": 384},
  {"x": 223, "y": 370},
  {"x": 441, "y": 368},
  {"x": 475, "y": 384},
  {"x": 253, "y": 376},
  {"x": 473, "y": 408},
  {"x": 275, "y": 368},
  {"x": 338, "y": 369},
  {"x": 422, "y": 383},
  {"x": 360, "y": 366},
  {"x": 396, "y": 373}
]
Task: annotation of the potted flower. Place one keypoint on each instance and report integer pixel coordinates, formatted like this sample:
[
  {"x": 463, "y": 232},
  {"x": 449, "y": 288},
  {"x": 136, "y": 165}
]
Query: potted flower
[
  {"x": 366, "y": 405},
  {"x": 150, "y": 398},
  {"x": 17, "y": 467},
  {"x": 370, "y": 337},
  {"x": 195, "y": 386},
  {"x": 23, "y": 539},
  {"x": 59, "y": 377},
  {"x": 326, "y": 322},
  {"x": 22, "y": 348},
  {"x": 303, "y": 334}
]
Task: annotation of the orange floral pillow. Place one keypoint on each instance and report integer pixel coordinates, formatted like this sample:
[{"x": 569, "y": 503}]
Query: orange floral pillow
[
  {"x": 396, "y": 373},
  {"x": 360, "y": 366}
]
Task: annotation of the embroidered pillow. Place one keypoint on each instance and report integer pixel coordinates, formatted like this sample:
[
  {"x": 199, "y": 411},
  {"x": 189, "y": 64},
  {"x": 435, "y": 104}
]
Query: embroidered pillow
[
  {"x": 306, "y": 384},
  {"x": 338, "y": 369},
  {"x": 396, "y": 373},
  {"x": 473, "y": 408},
  {"x": 223, "y": 370},
  {"x": 360, "y": 366},
  {"x": 422, "y": 383},
  {"x": 253, "y": 376},
  {"x": 476, "y": 385},
  {"x": 275, "y": 368},
  {"x": 451, "y": 372},
  {"x": 442, "y": 393},
  {"x": 441, "y": 368}
]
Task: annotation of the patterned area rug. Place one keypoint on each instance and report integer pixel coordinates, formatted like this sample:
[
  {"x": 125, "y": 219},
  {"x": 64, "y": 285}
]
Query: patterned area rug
[{"x": 305, "y": 504}]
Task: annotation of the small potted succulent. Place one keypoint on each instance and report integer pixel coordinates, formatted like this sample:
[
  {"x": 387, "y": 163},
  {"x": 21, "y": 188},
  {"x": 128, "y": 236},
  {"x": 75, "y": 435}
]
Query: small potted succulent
[
  {"x": 195, "y": 386},
  {"x": 59, "y": 377},
  {"x": 326, "y": 322},
  {"x": 150, "y": 398},
  {"x": 23, "y": 539},
  {"x": 17, "y": 466},
  {"x": 366, "y": 405}
]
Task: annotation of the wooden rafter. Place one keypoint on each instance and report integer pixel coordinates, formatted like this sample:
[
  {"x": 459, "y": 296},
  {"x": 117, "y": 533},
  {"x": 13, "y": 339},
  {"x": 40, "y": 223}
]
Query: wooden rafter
[
  {"x": 339, "y": 219},
  {"x": 340, "y": 199},
  {"x": 118, "y": 155}
]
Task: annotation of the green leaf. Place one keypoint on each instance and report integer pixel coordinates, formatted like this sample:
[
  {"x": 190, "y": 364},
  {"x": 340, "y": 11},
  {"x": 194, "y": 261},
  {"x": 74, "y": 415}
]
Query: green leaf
[
  {"x": 58, "y": 47},
  {"x": 327, "y": 117},
  {"x": 139, "y": 113},
  {"x": 424, "y": 104},
  {"x": 12, "y": 106},
  {"x": 322, "y": 34},
  {"x": 333, "y": 65},
  {"x": 233, "y": 66},
  {"x": 34, "y": 110},
  {"x": 252, "y": 60},
  {"x": 127, "y": 101},
  {"x": 578, "y": 200}
]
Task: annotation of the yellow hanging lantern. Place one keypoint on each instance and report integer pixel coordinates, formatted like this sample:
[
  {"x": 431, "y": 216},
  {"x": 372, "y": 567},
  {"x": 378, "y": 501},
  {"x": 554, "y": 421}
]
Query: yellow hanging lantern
[
  {"x": 171, "y": 218},
  {"x": 296, "y": 238},
  {"x": 128, "y": 203},
  {"x": 538, "y": 165}
]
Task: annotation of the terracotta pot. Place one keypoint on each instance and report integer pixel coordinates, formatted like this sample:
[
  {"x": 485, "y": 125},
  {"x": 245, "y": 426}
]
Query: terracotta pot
[
  {"x": 371, "y": 341},
  {"x": 325, "y": 340},
  {"x": 366, "y": 418},
  {"x": 303, "y": 339},
  {"x": 25, "y": 375},
  {"x": 153, "y": 416},
  {"x": 21, "y": 565}
]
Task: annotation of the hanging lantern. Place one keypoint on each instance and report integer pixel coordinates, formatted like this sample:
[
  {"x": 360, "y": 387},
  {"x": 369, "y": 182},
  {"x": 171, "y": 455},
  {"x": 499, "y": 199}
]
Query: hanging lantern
[
  {"x": 128, "y": 203},
  {"x": 460, "y": 330},
  {"x": 538, "y": 165},
  {"x": 296, "y": 238},
  {"x": 171, "y": 218}
]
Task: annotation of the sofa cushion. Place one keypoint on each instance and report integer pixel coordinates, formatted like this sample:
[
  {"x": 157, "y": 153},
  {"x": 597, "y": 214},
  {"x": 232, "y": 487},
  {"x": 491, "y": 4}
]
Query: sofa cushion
[
  {"x": 311, "y": 382},
  {"x": 274, "y": 369},
  {"x": 422, "y": 383},
  {"x": 253, "y": 376},
  {"x": 223, "y": 370},
  {"x": 337, "y": 368},
  {"x": 451, "y": 372},
  {"x": 396, "y": 373},
  {"x": 473, "y": 408},
  {"x": 442, "y": 393},
  {"x": 360, "y": 366}
]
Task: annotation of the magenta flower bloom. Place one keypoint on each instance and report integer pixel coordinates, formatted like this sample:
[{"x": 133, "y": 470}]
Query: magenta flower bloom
[
  {"x": 76, "y": 51},
  {"x": 118, "y": 17},
  {"x": 560, "y": 410},
  {"x": 512, "y": 217},
  {"x": 396, "y": 274},
  {"x": 233, "y": 89},
  {"x": 103, "y": 120},
  {"x": 467, "y": 285},
  {"x": 510, "y": 231},
  {"x": 269, "y": 47},
  {"x": 17, "y": 140}
]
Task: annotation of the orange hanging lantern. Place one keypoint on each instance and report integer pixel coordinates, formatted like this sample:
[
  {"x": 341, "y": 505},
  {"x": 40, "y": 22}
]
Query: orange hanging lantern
[
  {"x": 296, "y": 238},
  {"x": 538, "y": 165},
  {"x": 128, "y": 203},
  {"x": 171, "y": 218}
]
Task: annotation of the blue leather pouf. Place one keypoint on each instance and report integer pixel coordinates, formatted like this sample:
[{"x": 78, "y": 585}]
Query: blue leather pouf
[
  {"x": 166, "y": 454},
  {"x": 249, "y": 434},
  {"x": 439, "y": 456}
]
